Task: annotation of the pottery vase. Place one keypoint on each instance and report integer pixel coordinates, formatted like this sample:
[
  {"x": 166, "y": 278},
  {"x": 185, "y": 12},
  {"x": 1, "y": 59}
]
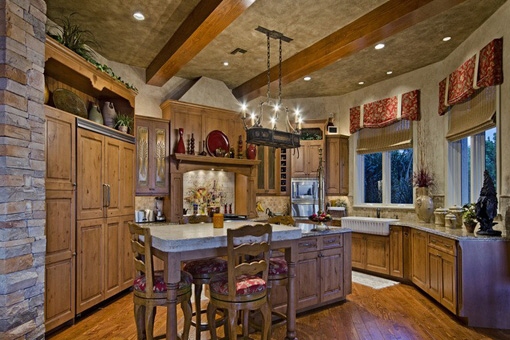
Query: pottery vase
[
  {"x": 424, "y": 206},
  {"x": 109, "y": 114},
  {"x": 470, "y": 225},
  {"x": 180, "y": 148},
  {"x": 95, "y": 115},
  {"x": 251, "y": 151}
]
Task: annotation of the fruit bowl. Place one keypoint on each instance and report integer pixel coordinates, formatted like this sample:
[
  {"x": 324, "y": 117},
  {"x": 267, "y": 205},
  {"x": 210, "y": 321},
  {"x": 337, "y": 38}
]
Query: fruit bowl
[{"x": 321, "y": 217}]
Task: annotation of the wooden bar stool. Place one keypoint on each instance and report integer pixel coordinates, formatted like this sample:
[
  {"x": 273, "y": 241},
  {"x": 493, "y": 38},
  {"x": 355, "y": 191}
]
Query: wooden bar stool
[
  {"x": 150, "y": 287},
  {"x": 244, "y": 286},
  {"x": 202, "y": 271}
]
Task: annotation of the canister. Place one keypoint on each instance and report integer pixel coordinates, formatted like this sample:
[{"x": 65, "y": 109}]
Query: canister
[
  {"x": 217, "y": 220},
  {"x": 450, "y": 221},
  {"x": 457, "y": 211},
  {"x": 439, "y": 215}
]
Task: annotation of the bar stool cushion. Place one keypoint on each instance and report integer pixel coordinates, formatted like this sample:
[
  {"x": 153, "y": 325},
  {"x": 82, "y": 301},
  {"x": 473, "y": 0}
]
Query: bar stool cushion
[
  {"x": 159, "y": 284},
  {"x": 245, "y": 284},
  {"x": 205, "y": 267},
  {"x": 278, "y": 266}
]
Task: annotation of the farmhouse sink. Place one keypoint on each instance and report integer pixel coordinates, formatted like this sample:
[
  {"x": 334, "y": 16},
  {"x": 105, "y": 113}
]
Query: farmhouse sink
[{"x": 368, "y": 225}]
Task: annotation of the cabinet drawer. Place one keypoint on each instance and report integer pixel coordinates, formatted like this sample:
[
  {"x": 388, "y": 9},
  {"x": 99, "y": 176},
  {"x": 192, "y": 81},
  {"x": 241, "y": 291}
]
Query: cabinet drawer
[
  {"x": 444, "y": 244},
  {"x": 333, "y": 241},
  {"x": 307, "y": 244}
]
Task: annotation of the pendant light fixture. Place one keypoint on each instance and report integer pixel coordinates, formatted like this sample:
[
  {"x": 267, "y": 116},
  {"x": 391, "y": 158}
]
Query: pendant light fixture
[{"x": 256, "y": 133}]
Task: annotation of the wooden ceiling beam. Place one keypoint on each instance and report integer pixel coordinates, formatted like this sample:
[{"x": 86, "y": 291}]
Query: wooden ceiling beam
[
  {"x": 208, "y": 19},
  {"x": 386, "y": 20}
]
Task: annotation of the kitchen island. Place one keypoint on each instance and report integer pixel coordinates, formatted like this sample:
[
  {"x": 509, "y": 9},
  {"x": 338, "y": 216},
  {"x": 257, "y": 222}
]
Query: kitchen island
[{"x": 315, "y": 259}]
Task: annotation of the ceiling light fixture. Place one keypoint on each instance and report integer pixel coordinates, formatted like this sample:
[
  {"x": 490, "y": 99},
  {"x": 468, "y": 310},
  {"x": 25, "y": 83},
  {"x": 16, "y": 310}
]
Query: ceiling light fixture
[
  {"x": 307, "y": 78},
  {"x": 256, "y": 134},
  {"x": 139, "y": 16},
  {"x": 361, "y": 83},
  {"x": 225, "y": 63},
  {"x": 379, "y": 46},
  {"x": 389, "y": 72},
  {"x": 447, "y": 38}
]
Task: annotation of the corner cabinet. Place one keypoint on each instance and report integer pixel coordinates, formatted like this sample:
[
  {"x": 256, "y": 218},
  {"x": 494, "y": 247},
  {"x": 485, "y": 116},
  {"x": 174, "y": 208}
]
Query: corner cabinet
[
  {"x": 152, "y": 152},
  {"x": 337, "y": 165}
]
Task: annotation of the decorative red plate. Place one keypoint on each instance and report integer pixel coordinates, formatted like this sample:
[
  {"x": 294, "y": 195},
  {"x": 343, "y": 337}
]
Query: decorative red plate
[{"x": 216, "y": 140}]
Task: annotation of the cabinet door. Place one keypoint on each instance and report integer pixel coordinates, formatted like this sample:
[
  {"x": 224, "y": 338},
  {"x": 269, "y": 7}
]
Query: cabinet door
[
  {"x": 344, "y": 166},
  {"x": 377, "y": 254},
  {"x": 297, "y": 164},
  {"x": 91, "y": 187},
  {"x": 268, "y": 170},
  {"x": 333, "y": 165},
  {"x": 60, "y": 150},
  {"x": 419, "y": 256},
  {"x": 113, "y": 167},
  {"x": 112, "y": 250},
  {"x": 331, "y": 265},
  {"x": 396, "y": 251},
  {"x": 60, "y": 267},
  {"x": 434, "y": 275},
  {"x": 358, "y": 248},
  {"x": 126, "y": 254},
  {"x": 308, "y": 280},
  {"x": 160, "y": 169},
  {"x": 90, "y": 263},
  {"x": 449, "y": 282},
  {"x": 127, "y": 187},
  {"x": 312, "y": 156}
]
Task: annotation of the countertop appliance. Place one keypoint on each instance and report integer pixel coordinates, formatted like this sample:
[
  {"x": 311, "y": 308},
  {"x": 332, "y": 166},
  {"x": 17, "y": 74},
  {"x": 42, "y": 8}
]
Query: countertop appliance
[{"x": 304, "y": 195}]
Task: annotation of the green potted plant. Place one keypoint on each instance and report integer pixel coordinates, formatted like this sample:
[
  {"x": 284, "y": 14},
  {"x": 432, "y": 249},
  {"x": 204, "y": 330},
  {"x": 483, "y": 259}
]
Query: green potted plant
[
  {"x": 469, "y": 217},
  {"x": 124, "y": 122}
]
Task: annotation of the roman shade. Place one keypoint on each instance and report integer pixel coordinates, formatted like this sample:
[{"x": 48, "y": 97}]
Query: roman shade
[
  {"x": 393, "y": 137},
  {"x": 473, "y": 116},
  {"x": 481, "y": 70},
  {"x": 385, "y": 112}
]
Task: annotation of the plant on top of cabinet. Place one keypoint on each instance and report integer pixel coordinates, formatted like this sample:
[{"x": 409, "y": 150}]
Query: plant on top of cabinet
[
  {"x": 78, "y": 40},
  {"x": 124, "y": 122}
]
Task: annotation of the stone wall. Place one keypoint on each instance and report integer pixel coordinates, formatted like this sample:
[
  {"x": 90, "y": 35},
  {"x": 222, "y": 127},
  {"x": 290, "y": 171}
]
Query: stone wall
[{"x": 22, "y": 169}]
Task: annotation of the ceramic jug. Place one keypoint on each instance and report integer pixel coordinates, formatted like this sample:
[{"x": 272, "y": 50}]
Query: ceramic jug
[
  {"x": 251, "y": 151},
  {"x": 109, "y": 114},
  {"x": 95, "y": 115}
]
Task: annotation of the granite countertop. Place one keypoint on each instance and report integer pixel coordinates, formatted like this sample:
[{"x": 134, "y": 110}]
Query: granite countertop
[
  {"x": 457, "y": 233},
  {"x": 307, "y": 230}
]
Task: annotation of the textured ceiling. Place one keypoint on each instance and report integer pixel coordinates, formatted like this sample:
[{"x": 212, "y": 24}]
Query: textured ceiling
[{"x": 123, "y": 39}]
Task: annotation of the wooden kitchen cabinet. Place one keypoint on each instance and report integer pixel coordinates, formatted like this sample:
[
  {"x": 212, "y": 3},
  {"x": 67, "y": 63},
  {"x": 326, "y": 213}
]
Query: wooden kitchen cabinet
[
  {"x": 442, "y": 271},
  {"x": 105, "y": 204},
  {"x": 305, "y": 159},
  {"x": 320, "y": 271},
  {"x": 396, "y": 251},
  {"x": 337, "y": 165},
  {"x": 268, "y": 170},
  {"x": 60, "y": 182},
  {"x": 152, "y": 152},
  {"x": 419, "y": 256},
  {"x": 371, "y": 252}
]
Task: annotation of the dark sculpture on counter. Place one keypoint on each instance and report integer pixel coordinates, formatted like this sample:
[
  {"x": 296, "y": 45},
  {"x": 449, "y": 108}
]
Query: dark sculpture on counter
[{"x": 486, "y": 207}]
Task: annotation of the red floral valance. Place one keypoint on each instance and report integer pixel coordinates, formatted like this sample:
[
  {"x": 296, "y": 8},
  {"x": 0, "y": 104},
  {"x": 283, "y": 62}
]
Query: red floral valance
[
  {"x": 386, "y": 111},
  {"x": 482, "y": 70}
]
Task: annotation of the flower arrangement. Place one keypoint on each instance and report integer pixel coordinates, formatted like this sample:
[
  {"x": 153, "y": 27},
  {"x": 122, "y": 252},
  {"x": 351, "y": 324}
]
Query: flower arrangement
[
  {"x": 422, "y": 178},
  {"x": 320, "y": 217},
  {"x": 469, "y": 214}
]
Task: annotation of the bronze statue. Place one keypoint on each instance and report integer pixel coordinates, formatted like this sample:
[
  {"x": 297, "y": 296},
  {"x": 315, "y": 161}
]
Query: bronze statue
[{"x": 486, "y": 207}]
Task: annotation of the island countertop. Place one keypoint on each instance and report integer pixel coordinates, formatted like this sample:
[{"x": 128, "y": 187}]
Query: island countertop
[{"x": 172, "y": 237}]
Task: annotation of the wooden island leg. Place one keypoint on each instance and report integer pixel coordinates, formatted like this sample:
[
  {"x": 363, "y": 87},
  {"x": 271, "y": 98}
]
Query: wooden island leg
[{"x": 291, "y": 257}]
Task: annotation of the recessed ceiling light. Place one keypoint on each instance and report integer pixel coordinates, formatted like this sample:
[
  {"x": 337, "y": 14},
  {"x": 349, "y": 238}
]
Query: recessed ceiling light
[
  {"x": 225, "y": 63},
  {"x": 447, "y": 38},
  {"x": 389, "y": 72},
  {"x": 379, "y": 46},
  {"x": 139, "y": 16},
  {"x": 307, "y": 78},
  {"x": 361, "y": 83}
]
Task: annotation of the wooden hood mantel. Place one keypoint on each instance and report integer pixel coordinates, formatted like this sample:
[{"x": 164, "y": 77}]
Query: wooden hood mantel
[{"x": 245, "y": 181}]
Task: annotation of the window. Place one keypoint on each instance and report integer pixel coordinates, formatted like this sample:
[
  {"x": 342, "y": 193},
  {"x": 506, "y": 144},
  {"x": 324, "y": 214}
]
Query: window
[
  {"x": 470, "y": 157},
  {"x": 472, "y": 147},
  {"x": 387, "y": 177},
  {"x": 385, "y": 165}
]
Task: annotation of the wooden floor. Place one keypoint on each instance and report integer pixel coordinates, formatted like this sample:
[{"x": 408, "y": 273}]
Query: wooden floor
[{"x": 396, "y": 312}]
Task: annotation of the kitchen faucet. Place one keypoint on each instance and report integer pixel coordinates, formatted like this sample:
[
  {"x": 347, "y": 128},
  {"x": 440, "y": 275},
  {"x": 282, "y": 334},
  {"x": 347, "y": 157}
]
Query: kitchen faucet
[{"x": 378, "y": 212}]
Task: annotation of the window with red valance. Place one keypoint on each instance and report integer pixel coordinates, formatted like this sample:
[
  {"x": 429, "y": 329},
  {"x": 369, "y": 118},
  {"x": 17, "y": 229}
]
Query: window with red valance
[
  {"x": 482, "y": 70},
  {"x": 386, "y": 111}
]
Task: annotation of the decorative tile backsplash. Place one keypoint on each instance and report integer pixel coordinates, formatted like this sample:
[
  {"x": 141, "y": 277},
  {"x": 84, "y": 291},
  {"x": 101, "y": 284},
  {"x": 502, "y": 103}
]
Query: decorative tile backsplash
[{"x": 208, "y": 188}]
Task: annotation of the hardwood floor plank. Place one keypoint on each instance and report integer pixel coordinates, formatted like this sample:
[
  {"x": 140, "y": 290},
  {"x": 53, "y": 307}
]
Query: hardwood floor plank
[{"x": 397, "y": 312}]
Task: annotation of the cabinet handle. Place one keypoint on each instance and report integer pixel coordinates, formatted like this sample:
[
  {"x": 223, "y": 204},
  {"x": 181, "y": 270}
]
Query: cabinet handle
[
  {"x": 329, "y": 241},
  {"x": 305, "y": 244},
  {"x": 105, "y": 195},
  {"x": 108, "y": 199}
]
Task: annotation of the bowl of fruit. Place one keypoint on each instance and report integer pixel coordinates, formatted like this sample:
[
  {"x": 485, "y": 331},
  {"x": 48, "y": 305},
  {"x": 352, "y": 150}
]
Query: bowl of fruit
[{"x": 320, "y": 217}]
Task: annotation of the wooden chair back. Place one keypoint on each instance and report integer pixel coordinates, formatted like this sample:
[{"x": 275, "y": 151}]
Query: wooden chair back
[
  {"x": 248, "y": 250},
  {"x": 142, "y": 253}
]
